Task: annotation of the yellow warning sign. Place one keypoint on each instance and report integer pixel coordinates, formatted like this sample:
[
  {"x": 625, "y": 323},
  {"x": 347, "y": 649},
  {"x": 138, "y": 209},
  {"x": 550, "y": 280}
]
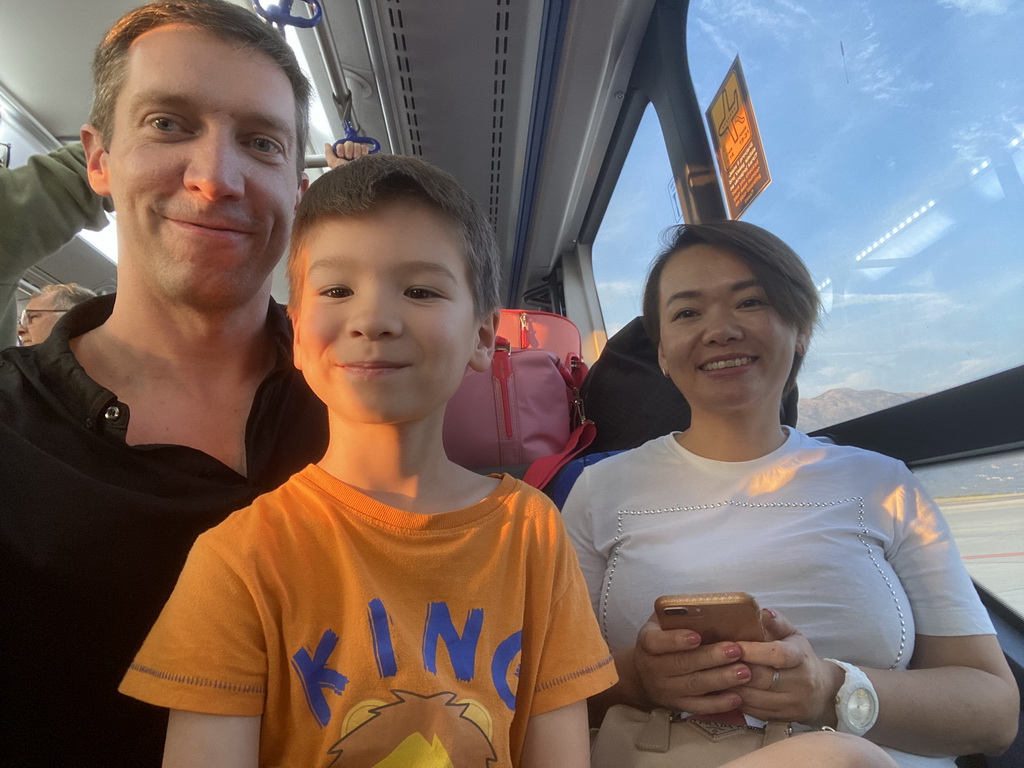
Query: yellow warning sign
[{"x": 741, "y": 158}]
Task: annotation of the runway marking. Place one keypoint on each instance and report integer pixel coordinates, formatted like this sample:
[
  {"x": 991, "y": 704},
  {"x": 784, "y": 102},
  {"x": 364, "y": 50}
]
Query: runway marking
[{"x": 1003, "y": 554}]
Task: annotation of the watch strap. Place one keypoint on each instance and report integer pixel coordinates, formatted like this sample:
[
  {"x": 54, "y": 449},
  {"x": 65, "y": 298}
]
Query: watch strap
[{"x": 856, "y": 686}]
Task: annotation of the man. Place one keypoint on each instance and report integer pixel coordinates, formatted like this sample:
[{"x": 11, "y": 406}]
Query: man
[
  {"x": 44, "y": 202},
  {"x": 150, "y": 416},
  {"x": 44, "y": 309}
]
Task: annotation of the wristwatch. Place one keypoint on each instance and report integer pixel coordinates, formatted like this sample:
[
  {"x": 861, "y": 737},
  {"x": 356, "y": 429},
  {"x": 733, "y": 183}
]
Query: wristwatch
[{"x": 856, "y": 701}]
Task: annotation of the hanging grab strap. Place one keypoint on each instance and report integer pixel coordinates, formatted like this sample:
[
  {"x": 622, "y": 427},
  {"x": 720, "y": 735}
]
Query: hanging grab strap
[
  {"x": 351, "y": 134},
  {"x": 280, "y": 14}
]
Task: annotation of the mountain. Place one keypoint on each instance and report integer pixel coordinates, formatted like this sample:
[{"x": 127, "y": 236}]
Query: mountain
[{"x": 838, "y": 405}]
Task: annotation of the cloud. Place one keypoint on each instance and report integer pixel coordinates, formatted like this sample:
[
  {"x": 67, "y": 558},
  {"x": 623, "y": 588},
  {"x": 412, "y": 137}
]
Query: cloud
[
  {"x": 913, "y": 308},
  {"x": 976, "y": 7},
  {"x": 780, "y": 19},
  {"x": 871, "y": 70},
  {"x": 851, "y": 379},
  {"x": 620, "y": 302},
  {"x": 980, "y": 140},
  {"x": 974, "y": 368},
  {"x": 887, "y": 83},
  {"x": 619, "y": 288},
  {"x": 628, "y": 207},
  {"x": 709, "y": 32}
]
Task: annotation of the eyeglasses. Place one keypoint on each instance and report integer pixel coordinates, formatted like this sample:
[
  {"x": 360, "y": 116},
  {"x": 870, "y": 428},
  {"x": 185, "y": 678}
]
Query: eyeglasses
[{"x": 31, "y": 315}]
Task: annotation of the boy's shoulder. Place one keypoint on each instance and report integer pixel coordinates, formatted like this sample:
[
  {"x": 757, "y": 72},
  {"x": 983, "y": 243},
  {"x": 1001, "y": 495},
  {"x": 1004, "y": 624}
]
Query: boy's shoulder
[
  {"x": 523, "y": 497},
  {"x": 511, "y": 500},
  {"x": 269, "y": 509}
]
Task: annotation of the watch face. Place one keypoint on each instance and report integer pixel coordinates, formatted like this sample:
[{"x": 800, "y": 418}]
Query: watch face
[{"x": 860, "y": 708}]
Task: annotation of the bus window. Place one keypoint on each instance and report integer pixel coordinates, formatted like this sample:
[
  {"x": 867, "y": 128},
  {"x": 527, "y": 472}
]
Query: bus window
[
  {"x": 641, "y": 207},
  {"x": 895, "y": 137}
]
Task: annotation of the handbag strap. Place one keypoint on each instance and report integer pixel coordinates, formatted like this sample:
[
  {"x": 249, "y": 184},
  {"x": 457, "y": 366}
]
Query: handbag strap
[
  {"x": 544, "y": 469},
  {"x": 656, "y": 734},
  {"x": 777, "y": 730}
]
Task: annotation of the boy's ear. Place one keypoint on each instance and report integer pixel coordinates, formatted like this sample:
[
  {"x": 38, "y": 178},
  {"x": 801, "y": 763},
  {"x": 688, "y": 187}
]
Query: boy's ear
[
  {"x": 296, "y": 356},
  {"x": 96, "y": 160},
  {"x": 303, "y": 186},
  {"x": 483, "y": 349}
]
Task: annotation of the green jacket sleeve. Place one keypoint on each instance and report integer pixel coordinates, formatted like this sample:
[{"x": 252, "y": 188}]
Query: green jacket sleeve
[{"x": 44, "y": 203}]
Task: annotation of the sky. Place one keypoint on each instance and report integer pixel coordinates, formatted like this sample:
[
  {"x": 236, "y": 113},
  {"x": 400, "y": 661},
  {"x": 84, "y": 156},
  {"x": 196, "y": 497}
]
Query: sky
[{"x": 894, "y": 133}]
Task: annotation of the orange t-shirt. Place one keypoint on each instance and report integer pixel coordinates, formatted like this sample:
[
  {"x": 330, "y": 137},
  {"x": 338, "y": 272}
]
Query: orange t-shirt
[{"x": 373, "y": 636}]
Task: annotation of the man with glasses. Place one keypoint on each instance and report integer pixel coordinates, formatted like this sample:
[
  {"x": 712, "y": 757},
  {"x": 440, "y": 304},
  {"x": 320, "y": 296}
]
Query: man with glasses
[
  {"x": 43, "y": 205},
  {"x": 47, "y": 307}
]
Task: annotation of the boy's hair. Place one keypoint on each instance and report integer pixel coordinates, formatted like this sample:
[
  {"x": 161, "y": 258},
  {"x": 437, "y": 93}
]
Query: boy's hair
[
  {"x": 364, "y": 184},
  {"x": 223, "y": 20},
  {"x": 777, "y": 267}
]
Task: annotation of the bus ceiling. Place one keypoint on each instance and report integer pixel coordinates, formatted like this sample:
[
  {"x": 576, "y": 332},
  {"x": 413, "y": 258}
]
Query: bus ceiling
[{"x": 517, "y": 98}]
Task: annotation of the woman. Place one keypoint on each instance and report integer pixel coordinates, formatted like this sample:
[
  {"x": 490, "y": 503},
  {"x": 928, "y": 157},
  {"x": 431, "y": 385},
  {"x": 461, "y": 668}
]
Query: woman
[{"x": 845, "y": 544}]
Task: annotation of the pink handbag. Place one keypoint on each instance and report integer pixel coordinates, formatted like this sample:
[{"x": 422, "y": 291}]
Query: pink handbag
[
  {"x": 532, "y": 329},
  {"x": 525, "y": 410}
]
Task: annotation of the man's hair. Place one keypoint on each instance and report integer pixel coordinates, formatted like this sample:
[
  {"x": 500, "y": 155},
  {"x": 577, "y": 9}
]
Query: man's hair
[
  {"x": 778, "y": 269},
  {"x": 65, "y": 295},
  {"x": 367, "y": 183},
  {"x": 221, "y": 19}
]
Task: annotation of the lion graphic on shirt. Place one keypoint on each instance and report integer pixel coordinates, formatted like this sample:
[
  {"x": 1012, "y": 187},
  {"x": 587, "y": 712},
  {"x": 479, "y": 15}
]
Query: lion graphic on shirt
[{"x": 433, "y": 731}]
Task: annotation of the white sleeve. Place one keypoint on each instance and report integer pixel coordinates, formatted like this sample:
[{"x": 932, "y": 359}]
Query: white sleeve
[
  {"x": 578, "y": 516},
  {"x": 930, "y": 568}
]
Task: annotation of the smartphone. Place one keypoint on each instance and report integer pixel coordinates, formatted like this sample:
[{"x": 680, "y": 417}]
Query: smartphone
[{"x": 716, "y": 616}]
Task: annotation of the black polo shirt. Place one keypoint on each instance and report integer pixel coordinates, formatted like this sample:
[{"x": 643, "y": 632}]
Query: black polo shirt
[{"x": 93, "y": 534}]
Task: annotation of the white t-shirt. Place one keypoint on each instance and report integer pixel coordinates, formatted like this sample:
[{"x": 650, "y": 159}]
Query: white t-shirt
[{"x": 844, "y": 542}]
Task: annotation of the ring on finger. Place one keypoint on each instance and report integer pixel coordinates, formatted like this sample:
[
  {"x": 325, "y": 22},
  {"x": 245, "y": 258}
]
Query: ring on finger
[{"x": 775, "y": 679}]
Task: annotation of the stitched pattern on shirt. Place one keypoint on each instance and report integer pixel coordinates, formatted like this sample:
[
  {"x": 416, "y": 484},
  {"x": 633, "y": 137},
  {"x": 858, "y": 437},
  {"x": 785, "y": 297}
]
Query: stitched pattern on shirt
[
  {"x": 573, "y": 675},
  {"x": 200, "y": 682},
  {"x": 863, "y": 535}
]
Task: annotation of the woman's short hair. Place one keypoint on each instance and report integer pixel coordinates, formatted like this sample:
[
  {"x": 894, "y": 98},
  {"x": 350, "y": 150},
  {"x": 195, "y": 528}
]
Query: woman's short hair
[{"x": 778, "y": 269}]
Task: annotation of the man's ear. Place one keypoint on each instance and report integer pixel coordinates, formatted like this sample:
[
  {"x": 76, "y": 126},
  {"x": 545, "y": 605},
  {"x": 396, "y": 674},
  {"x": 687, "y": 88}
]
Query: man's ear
[
  {"x": 303, "y": 186},
  {"x": 96, "y": 160},
  {"x": 483, "y": 348}
]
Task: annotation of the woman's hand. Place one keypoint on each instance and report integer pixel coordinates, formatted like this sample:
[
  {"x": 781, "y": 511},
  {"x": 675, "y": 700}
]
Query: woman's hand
[
  {"x": 347, "y": 152},
  {"x": 788, "y": 680},
  {"x": 675, "y": 671},
  {"x": 958, "y": 697}
]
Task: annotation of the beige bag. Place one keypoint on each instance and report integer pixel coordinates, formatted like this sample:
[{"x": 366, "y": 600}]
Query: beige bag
[{"x": 631, "y": 738}]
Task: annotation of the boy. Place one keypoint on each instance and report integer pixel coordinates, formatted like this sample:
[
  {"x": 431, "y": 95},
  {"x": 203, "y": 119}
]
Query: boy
[{"x": 305, "y": 629}]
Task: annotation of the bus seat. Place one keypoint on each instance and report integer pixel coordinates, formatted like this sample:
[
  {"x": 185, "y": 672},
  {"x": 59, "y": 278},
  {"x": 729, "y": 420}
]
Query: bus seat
[{"x": 558, "y": 489}]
